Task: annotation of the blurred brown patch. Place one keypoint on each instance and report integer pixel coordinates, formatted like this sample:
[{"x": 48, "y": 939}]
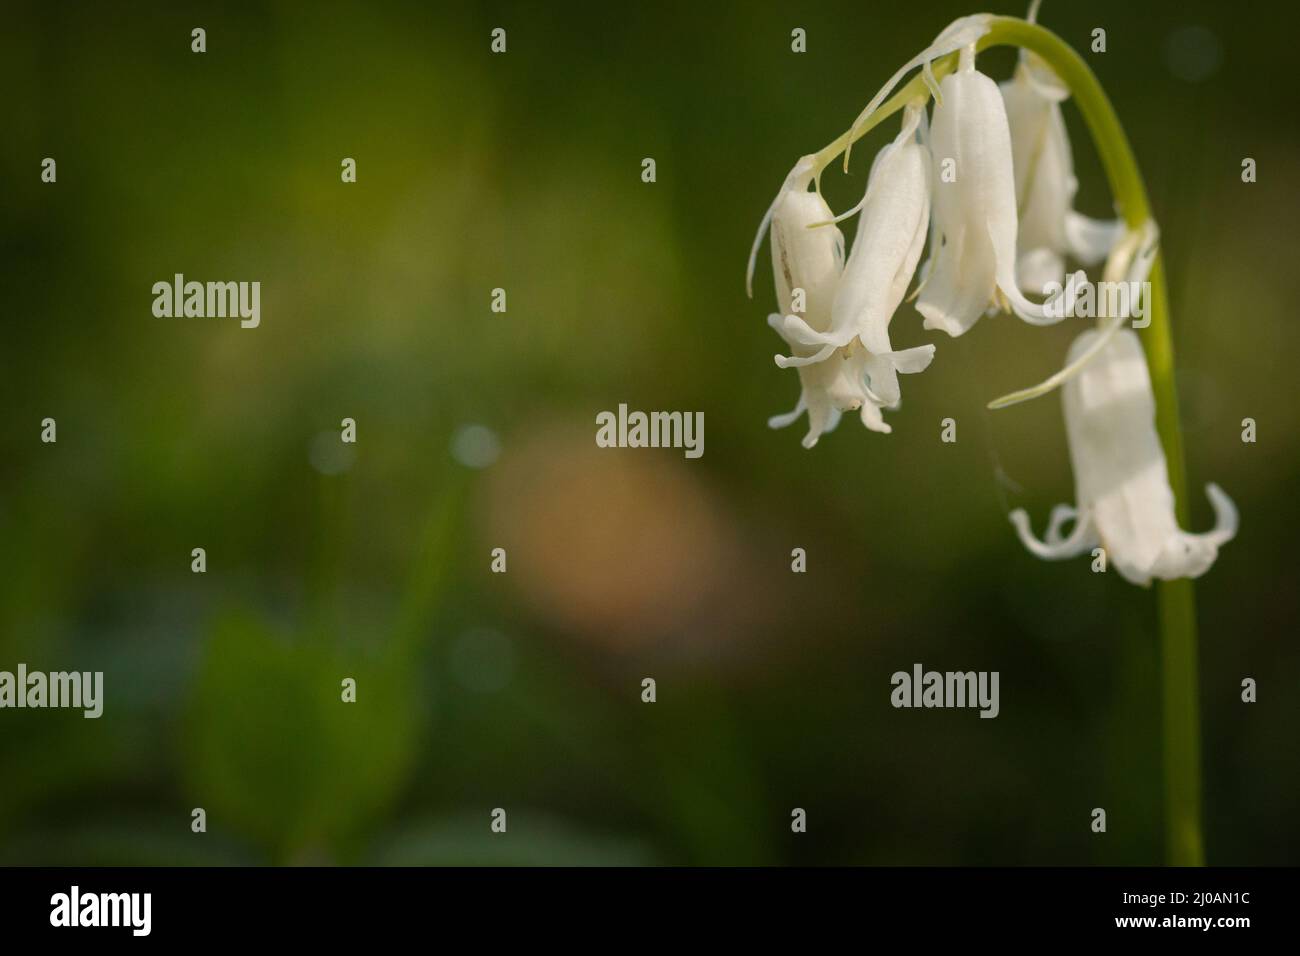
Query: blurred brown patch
[{"x": 618, "y": 546}]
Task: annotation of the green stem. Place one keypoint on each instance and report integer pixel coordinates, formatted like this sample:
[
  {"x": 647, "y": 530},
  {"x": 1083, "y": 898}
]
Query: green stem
[
  {"x": 1176, "y": 602},
  {"x": 1177, "y": 599}
]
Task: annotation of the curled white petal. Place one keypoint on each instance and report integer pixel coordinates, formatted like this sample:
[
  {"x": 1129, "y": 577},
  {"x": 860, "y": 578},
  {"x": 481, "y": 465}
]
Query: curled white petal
[
  {"x": 1055, "y": 548},
  {"x": 798, "y": 361},
  {"x": 1059, "y": 516},
  {"x": 1187, "y": 555},
  {"x": 797, "y": 331},
  {"x": 1226, "y": 518},
  {"x": 789, "y": 418},
  {"x": 911, "y": 361},
  {"x": 873, "y": 419},
  {"x": 1049, "y": 312},
  {"x": 775, "y": 321}
]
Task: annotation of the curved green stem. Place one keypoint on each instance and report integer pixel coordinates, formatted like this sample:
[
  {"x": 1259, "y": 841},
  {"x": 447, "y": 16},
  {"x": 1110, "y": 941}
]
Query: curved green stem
[{"x": 1176, "y": 598}]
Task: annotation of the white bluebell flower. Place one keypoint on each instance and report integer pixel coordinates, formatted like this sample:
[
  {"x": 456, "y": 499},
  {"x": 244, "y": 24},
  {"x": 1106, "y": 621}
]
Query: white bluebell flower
[{"x": 1123, "y": 500}]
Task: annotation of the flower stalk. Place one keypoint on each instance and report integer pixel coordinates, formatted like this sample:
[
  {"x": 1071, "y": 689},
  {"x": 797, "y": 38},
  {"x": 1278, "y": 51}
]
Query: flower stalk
[{"x": 1176, "y": 599}]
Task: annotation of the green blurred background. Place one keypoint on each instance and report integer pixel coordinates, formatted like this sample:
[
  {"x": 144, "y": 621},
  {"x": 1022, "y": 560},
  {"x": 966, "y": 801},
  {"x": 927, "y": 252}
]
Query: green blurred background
[{"x": 522, "y": 690}]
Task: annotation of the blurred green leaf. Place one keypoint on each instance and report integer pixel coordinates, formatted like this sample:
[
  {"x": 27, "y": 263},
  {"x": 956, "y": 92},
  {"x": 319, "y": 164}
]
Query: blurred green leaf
[{"x": 274, "y": 753}]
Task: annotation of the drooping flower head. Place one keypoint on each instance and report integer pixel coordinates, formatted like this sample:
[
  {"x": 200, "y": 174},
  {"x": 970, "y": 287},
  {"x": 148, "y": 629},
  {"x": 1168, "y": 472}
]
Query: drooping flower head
[
  {"x": 806, "y": 268},
  {"x": 861, "y": 373},
  {"x": 1123, "y": 501},
  {"x": 894, "y": 216}
]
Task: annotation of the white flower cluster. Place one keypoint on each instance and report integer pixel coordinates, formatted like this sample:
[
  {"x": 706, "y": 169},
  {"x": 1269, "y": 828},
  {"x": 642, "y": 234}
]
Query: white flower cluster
[{"x": 989, "y": 177}]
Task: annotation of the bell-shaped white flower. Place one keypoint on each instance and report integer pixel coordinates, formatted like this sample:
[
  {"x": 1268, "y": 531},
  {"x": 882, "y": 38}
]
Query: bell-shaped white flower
[
  {"x": 806, "y": 268},
  {"x": 973, "y": 243},
  {"x": 891, "y": 234},
  {"x": 1123, "y": 500},
  {"x": 1045, "y": 182}
]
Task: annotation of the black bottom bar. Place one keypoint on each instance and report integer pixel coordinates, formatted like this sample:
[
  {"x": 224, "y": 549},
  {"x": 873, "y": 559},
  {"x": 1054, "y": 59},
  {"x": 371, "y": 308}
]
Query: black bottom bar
[{"x": 337, "y": 905}]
